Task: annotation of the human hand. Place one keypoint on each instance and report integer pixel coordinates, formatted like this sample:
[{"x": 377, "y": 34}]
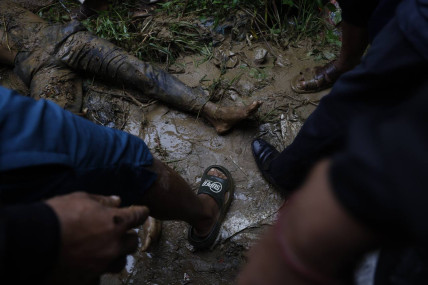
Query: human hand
[{"x": 95, "y": 236}]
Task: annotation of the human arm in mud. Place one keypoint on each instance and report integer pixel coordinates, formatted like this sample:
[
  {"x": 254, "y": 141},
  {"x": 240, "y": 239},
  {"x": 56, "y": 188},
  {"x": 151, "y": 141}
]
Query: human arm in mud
[{"x": 70, "y": 239}]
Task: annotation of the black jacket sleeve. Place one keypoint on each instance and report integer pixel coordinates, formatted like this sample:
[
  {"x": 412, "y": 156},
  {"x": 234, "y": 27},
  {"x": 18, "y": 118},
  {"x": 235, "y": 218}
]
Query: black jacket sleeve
[{"x": 29, "y": 243}]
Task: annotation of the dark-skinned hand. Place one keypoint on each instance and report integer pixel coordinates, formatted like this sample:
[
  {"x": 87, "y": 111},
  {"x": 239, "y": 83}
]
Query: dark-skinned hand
[{"x": 96, "y": 236}]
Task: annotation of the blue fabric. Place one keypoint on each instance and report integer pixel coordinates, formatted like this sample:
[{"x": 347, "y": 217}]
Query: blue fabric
[{"x": 101, "y": 160}]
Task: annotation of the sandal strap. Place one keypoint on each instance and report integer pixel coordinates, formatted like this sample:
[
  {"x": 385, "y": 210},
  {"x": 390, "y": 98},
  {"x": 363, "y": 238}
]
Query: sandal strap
[
  {"x": 214, "y": 187},
  {"x": 330, "y": 72},
  {"x": 324, "y": 77},
  {"x": 217, "y": 188}
]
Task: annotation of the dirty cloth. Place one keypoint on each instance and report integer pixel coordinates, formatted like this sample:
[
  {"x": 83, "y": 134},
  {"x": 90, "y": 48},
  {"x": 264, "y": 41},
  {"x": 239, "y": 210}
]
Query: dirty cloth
[{"x": 47, "y": 151}]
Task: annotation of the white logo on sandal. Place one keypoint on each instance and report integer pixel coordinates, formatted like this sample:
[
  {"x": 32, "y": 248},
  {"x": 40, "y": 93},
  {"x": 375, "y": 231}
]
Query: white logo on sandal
[{"x": 214, "y": 186}]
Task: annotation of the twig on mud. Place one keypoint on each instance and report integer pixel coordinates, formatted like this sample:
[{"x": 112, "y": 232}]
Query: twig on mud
[
  {"x": 138, "y": 102},
  {"x": 146, "y": 37},
  {"x": 125, "y": 95},
  {"x": 149, "y": 33},
  {"x": 175, "y": 160},
  {"x": 63, "y": 6},
  {"x": 266, "y": 42},
  {"x": 240, "y": 168},
  {"x": 5, "y": 32},
  {"x": 125, "y": 118},
  {"x": 97, "y": 121},
  {"x": 304, "y": 102},
  {"x": 261, "y": 34}
]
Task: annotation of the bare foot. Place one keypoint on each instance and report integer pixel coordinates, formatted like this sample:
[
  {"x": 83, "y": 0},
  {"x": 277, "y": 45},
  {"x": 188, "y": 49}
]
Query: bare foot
[
  {"x": 211, "y": 206},
  {"x": 224, "y": 118},
  {"x": 150, "y": 232}
]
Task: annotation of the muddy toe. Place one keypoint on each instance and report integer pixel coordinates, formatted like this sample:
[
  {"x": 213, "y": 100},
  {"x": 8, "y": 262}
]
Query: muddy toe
[
  {"x": 150, "y": 233},
  {"x": 254, "y": 107}
]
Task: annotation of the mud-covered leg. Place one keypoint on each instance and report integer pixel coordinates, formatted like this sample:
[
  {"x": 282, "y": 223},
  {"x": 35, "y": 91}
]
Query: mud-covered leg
[
  {"x": 60, "y": 85},
  {"x": 29, "y": 43},
  {"x": 87, "y": 53},
  {"x": 97, "y": 57}
]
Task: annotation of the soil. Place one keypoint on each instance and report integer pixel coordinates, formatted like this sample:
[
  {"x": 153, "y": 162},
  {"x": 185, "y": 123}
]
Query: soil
[{"x": 189, "y": 145}]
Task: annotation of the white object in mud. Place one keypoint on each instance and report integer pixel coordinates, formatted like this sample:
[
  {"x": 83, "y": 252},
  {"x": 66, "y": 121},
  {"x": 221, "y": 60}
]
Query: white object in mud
[{"x": 260, "y": 55}]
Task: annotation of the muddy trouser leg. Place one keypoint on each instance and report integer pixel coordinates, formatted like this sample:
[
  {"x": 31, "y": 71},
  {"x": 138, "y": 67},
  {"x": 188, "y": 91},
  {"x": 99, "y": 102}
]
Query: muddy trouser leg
[
  {"x": 383, "y": 80},
  {"x": 60, "y": 84},
  {"x": 35, "y": 41},
  {"x": 87, "y": 53},
  {"x": 50, "y": 79}
]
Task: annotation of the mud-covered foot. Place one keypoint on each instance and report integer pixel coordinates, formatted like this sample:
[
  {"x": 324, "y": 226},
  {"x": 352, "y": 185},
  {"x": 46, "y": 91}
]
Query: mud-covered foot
[
  {"x": 224, "y": 118},
  {"x": 216, "y": 194},
  {"x": 150, "y": 233}
]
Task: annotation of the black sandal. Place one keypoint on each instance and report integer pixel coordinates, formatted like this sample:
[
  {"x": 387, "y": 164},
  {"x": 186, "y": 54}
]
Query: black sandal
[{"x": 217, "y": 188}]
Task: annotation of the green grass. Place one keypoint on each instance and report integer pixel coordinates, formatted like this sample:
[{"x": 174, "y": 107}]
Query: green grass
[
  {"x": 173, "y": 30},
  {"x": 292, "y": 18}
]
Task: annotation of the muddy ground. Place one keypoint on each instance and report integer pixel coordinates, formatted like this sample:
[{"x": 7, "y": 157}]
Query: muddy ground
[{"x": 189, "y": 145}]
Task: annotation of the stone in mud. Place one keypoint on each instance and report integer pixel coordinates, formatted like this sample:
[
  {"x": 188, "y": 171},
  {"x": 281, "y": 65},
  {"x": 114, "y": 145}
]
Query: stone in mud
[
  {"x": 290, "y": 126},
  {"x": 282, "y": 61},
  {"x": 224, "y": 57},
  {"x": 260, "y": 55}
]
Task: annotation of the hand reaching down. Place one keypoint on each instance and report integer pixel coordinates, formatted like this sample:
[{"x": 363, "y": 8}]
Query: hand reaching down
[{"x": 96, "y": 236}]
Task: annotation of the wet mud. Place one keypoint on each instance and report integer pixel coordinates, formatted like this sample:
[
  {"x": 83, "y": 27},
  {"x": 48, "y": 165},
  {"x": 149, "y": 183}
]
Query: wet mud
[
  {"x": 49, "y": 56},
  {"x": 189, "y": 145}
]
